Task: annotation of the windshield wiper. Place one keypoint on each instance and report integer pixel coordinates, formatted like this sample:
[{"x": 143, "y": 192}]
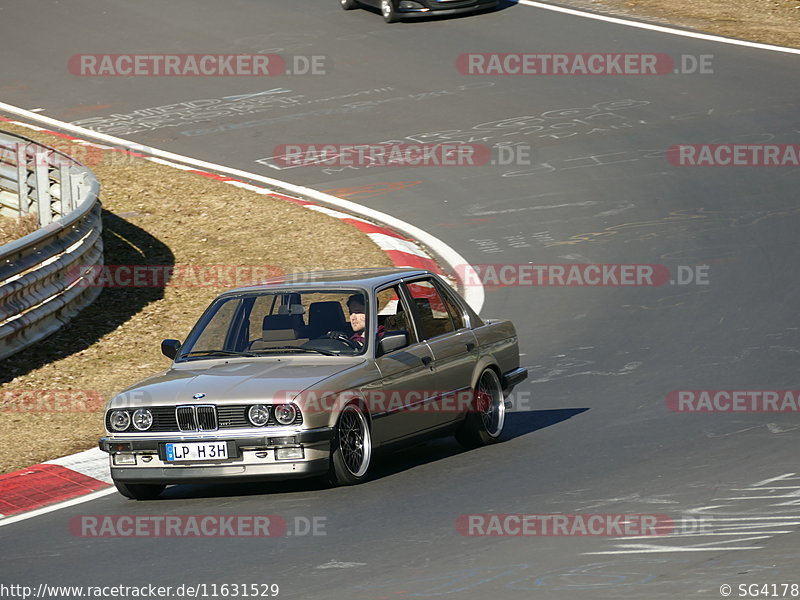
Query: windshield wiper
[
  {"x": 217, "y": 353},
  {"x": 298, "y": 349}
]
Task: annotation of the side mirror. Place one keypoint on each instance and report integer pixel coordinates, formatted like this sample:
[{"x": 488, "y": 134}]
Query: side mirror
[
  {"x": 391, "y": 341},
  {"x": 169, "y": 348}
]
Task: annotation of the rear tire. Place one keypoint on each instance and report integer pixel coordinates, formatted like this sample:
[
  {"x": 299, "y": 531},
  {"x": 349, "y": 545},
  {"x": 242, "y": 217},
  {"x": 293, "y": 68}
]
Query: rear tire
[
  {"x": 348, "y": 4},
  {"x": 484, "y": 423},
  {"x": 351, "y": 447},
  {"x": 139, "y": 491},
  {"x": 388, "y": 11}
]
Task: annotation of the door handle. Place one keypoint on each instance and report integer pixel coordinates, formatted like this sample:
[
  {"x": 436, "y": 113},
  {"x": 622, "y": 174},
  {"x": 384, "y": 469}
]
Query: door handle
[
  {"x": 426, "y": 360},
  {"x": 470, "y": 346}
]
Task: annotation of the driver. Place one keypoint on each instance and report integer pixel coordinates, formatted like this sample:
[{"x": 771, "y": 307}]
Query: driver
[{"x": 358, "y": 318}]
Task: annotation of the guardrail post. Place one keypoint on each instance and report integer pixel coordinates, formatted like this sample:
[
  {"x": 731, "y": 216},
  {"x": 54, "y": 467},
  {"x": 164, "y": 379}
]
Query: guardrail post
[
  {"x": 66, "y": 188},
  {"x": 43, "y": 200},
  {"x": 22, "y": 180},
  {"x": 76, "y": 191}
]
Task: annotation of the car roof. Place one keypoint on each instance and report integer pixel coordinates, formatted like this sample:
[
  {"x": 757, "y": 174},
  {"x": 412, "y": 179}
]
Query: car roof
[{"x": 361, "y": 278}]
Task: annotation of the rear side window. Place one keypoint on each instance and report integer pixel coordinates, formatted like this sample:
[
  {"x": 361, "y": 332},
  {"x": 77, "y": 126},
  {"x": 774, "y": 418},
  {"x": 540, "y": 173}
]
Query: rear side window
[
  {"x": 456, "y": 314},
  {"x": 433, "y": 315},
  {"x": 392, "y": 314}
]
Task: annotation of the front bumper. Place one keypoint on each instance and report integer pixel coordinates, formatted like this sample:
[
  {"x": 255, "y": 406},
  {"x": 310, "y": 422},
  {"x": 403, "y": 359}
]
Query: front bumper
[
  {"x": 251, "y": 457},
  {"x": 436, "y": 11}
]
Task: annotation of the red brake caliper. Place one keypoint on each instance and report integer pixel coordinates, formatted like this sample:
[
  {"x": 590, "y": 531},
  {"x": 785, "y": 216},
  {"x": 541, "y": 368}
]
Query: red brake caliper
[{"x": 482, "y": 401}]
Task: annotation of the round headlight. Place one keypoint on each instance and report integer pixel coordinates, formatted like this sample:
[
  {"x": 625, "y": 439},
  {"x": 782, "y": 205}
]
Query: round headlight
[
  {"x": 143, "y": 419},
  {"x": 258, "y": 414},
  {"x": 120, "y": 420},
  {"x": 285, "y": 414}
]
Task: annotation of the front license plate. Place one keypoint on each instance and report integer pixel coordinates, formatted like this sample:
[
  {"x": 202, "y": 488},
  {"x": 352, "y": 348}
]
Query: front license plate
[{"x": 195, "y": 451}]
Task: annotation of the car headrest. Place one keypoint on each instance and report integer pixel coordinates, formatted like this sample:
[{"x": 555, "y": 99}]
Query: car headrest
[
  {"x": 424, "y": 306},
  {"x": 277, "y": 328},
  {"x": 329, "y": 309},
  {"x": 292, "y": 309}
]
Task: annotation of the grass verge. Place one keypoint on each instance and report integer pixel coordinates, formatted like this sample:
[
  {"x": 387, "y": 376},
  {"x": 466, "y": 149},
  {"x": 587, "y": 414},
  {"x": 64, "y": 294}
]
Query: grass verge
[
  {"x": 12, "y": 229},
  {"x": 767, "y": 21},
  {"x": 155, "y": 215}
]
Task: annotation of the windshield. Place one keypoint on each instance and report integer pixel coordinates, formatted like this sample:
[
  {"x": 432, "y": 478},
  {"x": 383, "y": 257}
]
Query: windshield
[{"x": 320, "y": 322}]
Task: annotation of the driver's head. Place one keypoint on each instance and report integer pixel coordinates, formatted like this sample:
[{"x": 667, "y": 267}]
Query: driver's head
[{"x": 358, "y": 318}]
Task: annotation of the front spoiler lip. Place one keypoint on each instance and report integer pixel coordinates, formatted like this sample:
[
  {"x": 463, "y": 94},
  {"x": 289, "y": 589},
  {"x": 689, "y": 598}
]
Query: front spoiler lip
[
  {"x": 411, "y": 13},
  {"x": 216, "y": 474},
  {"x": 306, "y": 436}
]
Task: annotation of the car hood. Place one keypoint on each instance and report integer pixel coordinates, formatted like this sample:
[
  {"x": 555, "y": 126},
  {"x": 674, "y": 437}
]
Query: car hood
[{"x": 232, "y": 381}]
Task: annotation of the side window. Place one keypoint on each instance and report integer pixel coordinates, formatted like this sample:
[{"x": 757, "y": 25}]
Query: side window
[
  {"x": 434, "y": 318},
  {"x": 392, "y": 315},
  {"x": 456, "y": 313}
]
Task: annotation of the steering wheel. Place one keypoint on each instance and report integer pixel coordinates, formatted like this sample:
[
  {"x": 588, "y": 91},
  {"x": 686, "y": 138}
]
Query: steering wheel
[{"x": 342, "y": 337}]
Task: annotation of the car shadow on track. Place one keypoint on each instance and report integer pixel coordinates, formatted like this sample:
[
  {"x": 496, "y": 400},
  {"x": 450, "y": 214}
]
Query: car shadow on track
[
  {"x": 522, "y": 422},
  {"x": 517, "y": 424},
  {"x": 385, "y": 463},
  {"x": 261, "y": 488},
  {"x": 123, "y": 244}
]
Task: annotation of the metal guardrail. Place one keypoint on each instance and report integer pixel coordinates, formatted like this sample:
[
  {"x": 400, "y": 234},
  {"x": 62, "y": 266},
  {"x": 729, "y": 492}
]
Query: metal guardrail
[{"x": 39, "y": 289}]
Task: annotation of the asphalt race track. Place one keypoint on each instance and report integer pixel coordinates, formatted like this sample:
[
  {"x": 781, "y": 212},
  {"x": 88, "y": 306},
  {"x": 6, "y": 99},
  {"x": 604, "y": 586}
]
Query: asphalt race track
[{"x": 592, "y": 432}]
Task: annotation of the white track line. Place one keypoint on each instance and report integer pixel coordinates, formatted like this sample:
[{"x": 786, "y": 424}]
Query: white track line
[
  {"x": 659, "y": 28},
  {"x": 473, "y": 294},
  {"x": 53, "y": 507}
]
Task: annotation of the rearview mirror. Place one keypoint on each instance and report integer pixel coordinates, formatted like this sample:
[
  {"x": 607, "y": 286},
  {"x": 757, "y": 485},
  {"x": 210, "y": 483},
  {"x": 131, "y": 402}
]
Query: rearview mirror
[
  {"x": 391, "y": 341},
  {"x": 169, "y": 348}
]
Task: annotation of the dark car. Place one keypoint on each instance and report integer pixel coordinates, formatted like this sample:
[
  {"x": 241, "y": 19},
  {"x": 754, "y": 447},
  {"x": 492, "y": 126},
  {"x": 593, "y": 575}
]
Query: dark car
[{"x": 395, "y": 10}]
